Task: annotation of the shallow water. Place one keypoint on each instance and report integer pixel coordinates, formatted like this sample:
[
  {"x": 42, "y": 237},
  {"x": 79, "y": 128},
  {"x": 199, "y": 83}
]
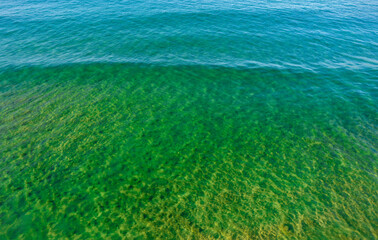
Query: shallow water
[{"x": 190, "y": 119}]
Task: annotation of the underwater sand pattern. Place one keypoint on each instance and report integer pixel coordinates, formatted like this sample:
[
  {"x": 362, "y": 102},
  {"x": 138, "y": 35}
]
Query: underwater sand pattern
[{"x": 133, "y": 151}]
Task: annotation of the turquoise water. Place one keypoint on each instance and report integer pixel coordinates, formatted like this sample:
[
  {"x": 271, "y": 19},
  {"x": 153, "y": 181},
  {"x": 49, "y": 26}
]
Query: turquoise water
[{"x": 188, "y": 120}]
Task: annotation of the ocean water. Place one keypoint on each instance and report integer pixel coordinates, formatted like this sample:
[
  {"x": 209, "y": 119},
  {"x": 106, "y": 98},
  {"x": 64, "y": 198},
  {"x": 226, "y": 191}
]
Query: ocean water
[{"x": 195, "y": 119}]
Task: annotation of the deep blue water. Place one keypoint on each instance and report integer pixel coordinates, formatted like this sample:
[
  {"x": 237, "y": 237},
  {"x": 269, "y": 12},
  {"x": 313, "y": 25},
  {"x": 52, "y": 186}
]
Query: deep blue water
[{"x": 279, "y": 34}]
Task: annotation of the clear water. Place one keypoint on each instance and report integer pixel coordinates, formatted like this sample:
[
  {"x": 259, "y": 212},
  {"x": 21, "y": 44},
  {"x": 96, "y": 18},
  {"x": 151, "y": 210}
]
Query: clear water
[{"x": 188, "y": 119}]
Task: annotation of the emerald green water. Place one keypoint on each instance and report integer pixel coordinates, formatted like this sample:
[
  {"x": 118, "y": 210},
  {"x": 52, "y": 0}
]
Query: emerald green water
[
  {"x": 192, "y": 119},
  {"x": 135, "y": 151}
]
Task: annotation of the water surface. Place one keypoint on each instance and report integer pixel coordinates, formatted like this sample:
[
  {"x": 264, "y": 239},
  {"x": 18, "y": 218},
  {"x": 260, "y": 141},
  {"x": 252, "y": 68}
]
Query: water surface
[{"x": 188, "y": 119}]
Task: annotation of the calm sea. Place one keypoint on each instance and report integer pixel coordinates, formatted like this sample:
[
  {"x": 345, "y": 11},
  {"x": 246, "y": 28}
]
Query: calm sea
[{"x": 195, "y": 119}]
